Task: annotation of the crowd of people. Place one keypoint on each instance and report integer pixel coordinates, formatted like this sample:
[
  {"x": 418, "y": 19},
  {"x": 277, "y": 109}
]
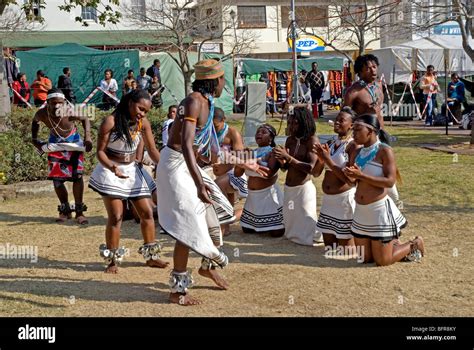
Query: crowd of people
[
  {"x": 204, "y": 166},
  {"x": 148, "y": 80},
  {"x": 452, "y": 108}
]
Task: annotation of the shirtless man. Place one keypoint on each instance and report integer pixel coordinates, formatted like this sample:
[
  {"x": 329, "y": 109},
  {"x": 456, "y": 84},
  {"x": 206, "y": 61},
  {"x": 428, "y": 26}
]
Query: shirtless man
[
  {"x": 191, "y": 205},
  {"x": 64, "y": 165},
  {"x": 230, "y": 178},
  {"x": 365, "y": 96}
]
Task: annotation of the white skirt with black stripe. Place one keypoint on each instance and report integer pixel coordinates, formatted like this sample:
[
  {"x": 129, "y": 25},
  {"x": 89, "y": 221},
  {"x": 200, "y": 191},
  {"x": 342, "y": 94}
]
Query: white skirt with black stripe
[
  {"x": 139, "y": 183},
  {"x": 380, "y": 220},
  {"x": 337, "y": 211},
  {"x": 263, "y": 209},
  {"x": 239, "y": 183}
]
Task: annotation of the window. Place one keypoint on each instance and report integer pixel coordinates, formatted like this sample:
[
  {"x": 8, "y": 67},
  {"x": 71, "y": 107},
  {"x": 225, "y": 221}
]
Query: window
[
  {"x": 138, "y": 8},
  {"x": 89, "y": 13},
  {"x": 251, "y": 17},
  {"x": 212, "y": 20},
  {"x": 307, "y": 16},
  {"x": 353, "y": 15}
]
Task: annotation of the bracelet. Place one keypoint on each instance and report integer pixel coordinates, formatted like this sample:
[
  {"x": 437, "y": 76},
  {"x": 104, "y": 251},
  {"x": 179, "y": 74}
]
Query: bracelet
[{"x": 291, "y": 159}]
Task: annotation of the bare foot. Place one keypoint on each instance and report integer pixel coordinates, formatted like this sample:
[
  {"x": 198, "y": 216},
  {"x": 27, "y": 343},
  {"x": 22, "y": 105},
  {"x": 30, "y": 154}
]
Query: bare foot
[
  {"x": 213, "y": 275},
  {"x": 112, "y": 268},
  {"x": 157, "y": 263},
  {"x": 420, "y": 244},
  {"x": 62, "y": 218},
  {"x": 226, "y": 230},
  {"x": 183, "y": 299},
  {"x": 81, "y": 220}
]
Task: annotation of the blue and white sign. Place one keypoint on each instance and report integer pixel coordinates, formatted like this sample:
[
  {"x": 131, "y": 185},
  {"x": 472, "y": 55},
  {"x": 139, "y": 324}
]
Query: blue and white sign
[
  {"x": 451, "y": 28},
  {"x": 307, "y": 44}
]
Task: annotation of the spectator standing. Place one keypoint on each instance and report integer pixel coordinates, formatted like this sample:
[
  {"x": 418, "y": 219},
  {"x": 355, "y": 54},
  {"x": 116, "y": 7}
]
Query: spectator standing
[
  {"x": 65, "y": 84},
  {"x": 127, "y": 82},
  {"x": 155, "y": 91},
  {"x": 315, "y": 80},
  {"x": 109, "y": 84},
  {"x": 430, "y": 87},
  {"x": 21, "y": 86},
  {"x": 11, "y": 69},
  {"x": 143, "y": 80},
  {"x": 172, "y": 110},
  {"x": 40, "y": 87},
  {"x": 154, "y": 70}
]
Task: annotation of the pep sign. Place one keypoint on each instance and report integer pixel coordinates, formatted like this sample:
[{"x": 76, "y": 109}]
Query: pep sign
[{"x": 308, "y": 43}]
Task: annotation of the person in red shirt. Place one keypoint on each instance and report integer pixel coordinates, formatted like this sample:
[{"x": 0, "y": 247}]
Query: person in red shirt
[
  {"x": 40, "y": 87},
  {"x": 23, "y": 89}
]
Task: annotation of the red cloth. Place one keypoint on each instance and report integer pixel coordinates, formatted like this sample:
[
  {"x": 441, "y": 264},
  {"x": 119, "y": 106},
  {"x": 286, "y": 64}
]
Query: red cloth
[
  {"x": 65, "y": 165},
  {"x": 315, "y": 111},
  {"x": 17, "y": 87}
]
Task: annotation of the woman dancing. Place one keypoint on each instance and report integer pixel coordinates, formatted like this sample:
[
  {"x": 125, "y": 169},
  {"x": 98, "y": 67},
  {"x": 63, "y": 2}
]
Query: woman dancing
[{"x": 118, "y": 177}]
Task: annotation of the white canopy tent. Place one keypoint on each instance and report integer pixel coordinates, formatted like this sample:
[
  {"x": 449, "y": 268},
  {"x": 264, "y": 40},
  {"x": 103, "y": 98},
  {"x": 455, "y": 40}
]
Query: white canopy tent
[{"x": 417, "y": 54}]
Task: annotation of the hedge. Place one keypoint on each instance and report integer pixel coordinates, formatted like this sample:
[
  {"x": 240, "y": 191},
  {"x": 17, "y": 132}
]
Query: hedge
[{"x": 19, "y": 160}]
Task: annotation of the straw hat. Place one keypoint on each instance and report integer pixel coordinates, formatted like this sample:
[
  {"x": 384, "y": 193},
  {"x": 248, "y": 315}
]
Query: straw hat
[{"x": 208, "y": 69}]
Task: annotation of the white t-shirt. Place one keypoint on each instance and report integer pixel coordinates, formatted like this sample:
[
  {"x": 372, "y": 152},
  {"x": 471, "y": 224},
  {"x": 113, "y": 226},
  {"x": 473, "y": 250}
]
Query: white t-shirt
[
  {"x": 111, "y": 86},
  {"x": 164, "y": 136}
]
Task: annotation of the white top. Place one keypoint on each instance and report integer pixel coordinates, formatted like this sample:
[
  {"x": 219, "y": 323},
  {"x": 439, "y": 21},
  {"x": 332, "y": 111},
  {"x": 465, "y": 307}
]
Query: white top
[
  {"x": 164, "y": 136},
  {"x": 111, "y": 86},
  {"x": 120, "y": 146},
  {"x": 339, "y": 156},
  {"x": 373, "y": 169}
]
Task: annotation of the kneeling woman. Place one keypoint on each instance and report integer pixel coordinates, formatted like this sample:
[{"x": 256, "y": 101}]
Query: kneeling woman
[
  {"x": 337, "y": 209},
  {"x": 299, "y": 210},
  {"x": 377, "y": 221},
  {"x": 263, "y": 210},
  {"x": 118, "y": 177}
]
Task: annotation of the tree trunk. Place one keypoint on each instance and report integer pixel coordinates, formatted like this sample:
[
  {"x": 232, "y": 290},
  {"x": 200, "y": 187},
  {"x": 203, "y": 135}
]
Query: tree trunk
[
  {"x": 187, "y": 82},
  {"x": 361, "y": 41},
  {"x": 4, "y": 94}
]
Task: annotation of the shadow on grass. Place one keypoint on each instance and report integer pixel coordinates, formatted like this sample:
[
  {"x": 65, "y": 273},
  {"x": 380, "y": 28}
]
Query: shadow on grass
[
  {"x": 85, "y": 289},
  {"x": 262, "y": 249},
  {"x": 96, "y": 266},
  {"x": 14, "y": 219},
  {"x": 7, "y": 298}
]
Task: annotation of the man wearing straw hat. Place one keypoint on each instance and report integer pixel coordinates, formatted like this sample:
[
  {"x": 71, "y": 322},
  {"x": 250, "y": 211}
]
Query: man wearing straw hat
[{"x": 191, "y": 206}]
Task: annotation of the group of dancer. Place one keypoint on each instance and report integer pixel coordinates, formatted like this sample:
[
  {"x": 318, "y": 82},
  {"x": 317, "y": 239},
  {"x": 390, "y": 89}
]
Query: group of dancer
[{"x": 200, "y": 172}]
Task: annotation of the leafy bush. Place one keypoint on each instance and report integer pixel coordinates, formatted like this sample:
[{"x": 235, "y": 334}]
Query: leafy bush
[{"x": 19, "y": 160}]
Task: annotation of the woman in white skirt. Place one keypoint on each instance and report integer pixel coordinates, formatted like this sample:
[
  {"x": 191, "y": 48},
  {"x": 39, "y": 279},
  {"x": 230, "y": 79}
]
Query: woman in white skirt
[
  {"x": 337, "y": 209},
  {"x": 263, "y": 209},
  {"x": 377, "y": 222},
  {"x": 117, "y": 176},
  {"x": 299, "y": 209}
]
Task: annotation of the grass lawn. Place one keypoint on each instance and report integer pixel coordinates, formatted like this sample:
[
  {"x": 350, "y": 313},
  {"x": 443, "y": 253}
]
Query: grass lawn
[{"x": 265, "y": 273}]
